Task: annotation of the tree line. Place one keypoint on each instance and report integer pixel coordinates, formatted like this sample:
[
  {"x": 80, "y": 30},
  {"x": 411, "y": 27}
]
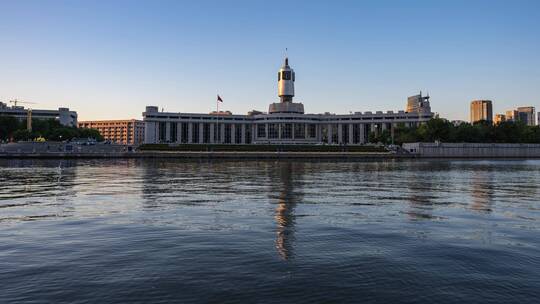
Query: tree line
[
  {"x": 12, "y": 128},
  {"x": 438, "y": 129}
]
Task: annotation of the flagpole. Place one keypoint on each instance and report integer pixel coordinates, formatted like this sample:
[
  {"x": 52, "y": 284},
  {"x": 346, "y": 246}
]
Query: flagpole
[
  {"x": 217, "y": 124},
  {"x": 217, "y": 118}
]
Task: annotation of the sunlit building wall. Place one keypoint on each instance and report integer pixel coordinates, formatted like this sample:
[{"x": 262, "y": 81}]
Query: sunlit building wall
[
  {"x": 127, "y": 132},
  {"x": 499, "y": 118},
  {"x": 527, "y": 115},
  {"x": 481, "y": 110}
]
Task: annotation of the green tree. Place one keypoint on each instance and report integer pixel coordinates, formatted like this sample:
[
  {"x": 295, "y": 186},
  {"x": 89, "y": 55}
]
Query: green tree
[
  {"x": 90, "y": 133},
  {"x": 22, "y": 134},
  {"x": 8, "y": 125}
]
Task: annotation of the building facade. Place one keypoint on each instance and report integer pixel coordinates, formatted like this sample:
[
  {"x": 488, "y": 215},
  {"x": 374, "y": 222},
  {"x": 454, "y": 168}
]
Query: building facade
[
  {"x": 512, "y": 115},
  {"x": 527, "y": 115},
  {"x": 418, "y": 103},
  {"x": 284, "y": 123},
  {"x": 499, "y": 118},
  {"x": 126, "y": 132},
  {"x": 481, "y": 110},
  {"x": 63, "y": 115}
]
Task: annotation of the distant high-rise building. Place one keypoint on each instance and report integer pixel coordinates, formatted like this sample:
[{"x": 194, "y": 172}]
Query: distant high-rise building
[
  {"x": 499, "y": 118},
  {"x": 512, "y": 115},
  {"x": 527, "y": 115},
  {"x": 418, "y": 104},
  {"x": 481, "y": 110}
]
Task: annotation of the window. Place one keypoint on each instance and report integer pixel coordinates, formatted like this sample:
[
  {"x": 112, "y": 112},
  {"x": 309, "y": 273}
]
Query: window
[
  {"x": 345, "y": 134},
  {"x": 184, "y": 132},
  {"x": 248, "y": 134},
  {"x": 312, "y": 130},
  {"x": 335, "y": 138},
  {"x": 273, "y": 130},
  {"x": 195, "y": 133},
  {"x": 206, "y": 133},
  {"x": 174, "y": 132},
  {"x": 299, "y": 131},
  {"x": 227, "y": 133},
  {"x": 217, "y": 132},
  {"x": 324, "y": 132},
  {"x": 356, "y": 134},
  {"x": 286, "y": 75},
  {"x": 238, "y": 133},
  {"x": 162, "y": 131},
  {"x": 261, "y": 130},
  {"x": 286, "y": 130}
]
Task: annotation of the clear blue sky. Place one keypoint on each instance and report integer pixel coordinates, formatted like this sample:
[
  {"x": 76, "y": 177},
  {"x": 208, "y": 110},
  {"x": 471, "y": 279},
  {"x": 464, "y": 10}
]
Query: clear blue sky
[{"x": 109, "y": 59}]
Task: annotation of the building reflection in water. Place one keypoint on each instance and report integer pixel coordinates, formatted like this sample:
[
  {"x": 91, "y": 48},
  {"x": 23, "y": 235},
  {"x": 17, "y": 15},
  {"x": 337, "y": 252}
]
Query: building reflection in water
[
  {"x": 420, "y": 195},
  {"x": 289, "y": 176},
  {"x": 482, "y": 191}
]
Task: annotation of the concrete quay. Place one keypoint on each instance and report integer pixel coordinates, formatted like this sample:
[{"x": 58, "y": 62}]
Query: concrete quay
[
  {"x": 473, "y": 150},
  {"x": 211, "y": 155}
]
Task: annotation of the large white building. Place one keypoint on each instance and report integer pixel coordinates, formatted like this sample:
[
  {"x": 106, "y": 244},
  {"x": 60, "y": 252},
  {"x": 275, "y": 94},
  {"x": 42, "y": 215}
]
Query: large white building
[
  {"x": 63, "y": 115},
  {"x": 285, "y": 122}
]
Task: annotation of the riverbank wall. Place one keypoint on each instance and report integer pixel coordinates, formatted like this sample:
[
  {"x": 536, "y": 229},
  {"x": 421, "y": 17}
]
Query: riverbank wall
[
  {"x": 213, "y": 155},
  {"x": 472, "y": 150}
]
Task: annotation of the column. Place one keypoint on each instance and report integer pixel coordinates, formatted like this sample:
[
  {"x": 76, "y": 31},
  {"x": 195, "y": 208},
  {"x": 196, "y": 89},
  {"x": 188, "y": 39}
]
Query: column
[
  {"x": 190, "y": 132},
  {"x": 351, "y": 134},
  {"x": 201, "y": 133},
  {"x": 329, "y": 131},
  {"x": 279, "y": 130},
  {"x": 266, "y": 131},
  {"x": 362, "y": 134},
  {"x": 243, "y": 133},
  {"x": 212, "y": 126},
  {"x": 340, "y": 133},
  {"x": 233, "y": 133},
  {"x": 306, "y": 131}
]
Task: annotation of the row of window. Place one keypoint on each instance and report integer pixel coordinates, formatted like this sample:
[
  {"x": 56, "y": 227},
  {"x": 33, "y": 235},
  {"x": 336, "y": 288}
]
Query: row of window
[
  {"x": 207, "y": 131},
  {"x": 270, "y": 131},
  {"x": 287, "y": 131}
]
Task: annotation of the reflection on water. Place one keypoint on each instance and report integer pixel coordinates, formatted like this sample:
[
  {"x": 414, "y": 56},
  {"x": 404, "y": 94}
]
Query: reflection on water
[
  {"x": 483, "y": 191},
  {"x": 166, "y": 231},
  {"x": 286, "y": 202}
]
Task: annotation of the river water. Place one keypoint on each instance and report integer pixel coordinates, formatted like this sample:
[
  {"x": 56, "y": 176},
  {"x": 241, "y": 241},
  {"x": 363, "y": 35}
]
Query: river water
[{"x": 161, "y": 231}]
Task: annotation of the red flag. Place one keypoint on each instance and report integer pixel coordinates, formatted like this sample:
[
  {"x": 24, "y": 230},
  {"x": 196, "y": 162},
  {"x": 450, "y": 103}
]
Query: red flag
[{"x": 219, "y": 99}]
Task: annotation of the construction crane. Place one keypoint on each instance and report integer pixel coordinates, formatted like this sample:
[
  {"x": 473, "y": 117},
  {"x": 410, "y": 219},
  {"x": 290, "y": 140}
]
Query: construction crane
[{"x": 15, "y": 102}]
